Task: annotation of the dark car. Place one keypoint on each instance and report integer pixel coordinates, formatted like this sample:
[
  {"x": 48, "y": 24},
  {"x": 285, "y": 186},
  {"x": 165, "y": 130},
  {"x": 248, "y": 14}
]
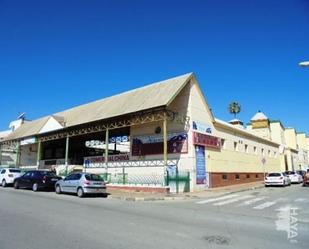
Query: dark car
[{"x": 37, "y": 180}]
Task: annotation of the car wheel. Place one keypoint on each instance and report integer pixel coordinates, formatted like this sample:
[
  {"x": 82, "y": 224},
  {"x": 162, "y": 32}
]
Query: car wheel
[
  {"x": 35, "y": 187},
  {"x": 3, "y": 183},
  {"x": 58, "y": 190},
  {"x": 80, "y": 192},
  {"x": 16, "y": 185}
]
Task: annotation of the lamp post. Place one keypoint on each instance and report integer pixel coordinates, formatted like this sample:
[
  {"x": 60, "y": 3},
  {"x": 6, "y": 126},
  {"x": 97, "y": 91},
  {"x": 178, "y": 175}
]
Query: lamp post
[{"x": 304, "y": 64}]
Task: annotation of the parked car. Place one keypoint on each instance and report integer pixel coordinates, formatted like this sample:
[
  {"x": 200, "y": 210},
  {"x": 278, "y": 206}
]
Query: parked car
[
  {"x": 277, "y": 178},
  {"x": 294, "y": 177},
  {"x": 37, "y": 180},
  {"x": 301, "y": 172},
  {"x": 8, "y": 175},
  {"x": 306, "y": 178},
  {"x": 81, "y": 184}
]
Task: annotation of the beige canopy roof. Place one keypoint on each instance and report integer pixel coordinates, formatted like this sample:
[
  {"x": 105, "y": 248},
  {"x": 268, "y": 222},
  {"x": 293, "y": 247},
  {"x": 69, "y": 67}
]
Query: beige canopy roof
[{"x": 151, "y": 96}]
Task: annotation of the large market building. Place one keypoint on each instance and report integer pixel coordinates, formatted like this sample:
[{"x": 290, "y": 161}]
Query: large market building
[{"x": 159, "y": 137}]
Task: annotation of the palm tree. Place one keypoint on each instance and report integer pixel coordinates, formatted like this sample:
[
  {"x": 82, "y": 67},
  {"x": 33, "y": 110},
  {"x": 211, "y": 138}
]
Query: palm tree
[{"x": 234, "y": 108}]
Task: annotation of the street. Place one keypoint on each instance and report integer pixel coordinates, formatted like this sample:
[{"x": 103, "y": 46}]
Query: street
[{"x": 249, "y": 219}]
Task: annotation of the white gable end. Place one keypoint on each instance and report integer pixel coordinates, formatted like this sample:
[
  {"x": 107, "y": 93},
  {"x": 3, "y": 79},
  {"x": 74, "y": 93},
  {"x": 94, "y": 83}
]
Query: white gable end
[{"x": 51, "y": 125}]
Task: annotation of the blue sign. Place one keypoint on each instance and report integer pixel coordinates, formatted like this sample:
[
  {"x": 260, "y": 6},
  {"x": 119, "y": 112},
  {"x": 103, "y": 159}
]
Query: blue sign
[
  {"x": 200, "y": 165},
  {"x": 200, "y": 127}
]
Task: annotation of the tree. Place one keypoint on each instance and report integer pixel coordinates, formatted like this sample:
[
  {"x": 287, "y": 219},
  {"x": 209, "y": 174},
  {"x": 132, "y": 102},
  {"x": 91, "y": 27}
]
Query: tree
[{"x": 234, "y": 108}]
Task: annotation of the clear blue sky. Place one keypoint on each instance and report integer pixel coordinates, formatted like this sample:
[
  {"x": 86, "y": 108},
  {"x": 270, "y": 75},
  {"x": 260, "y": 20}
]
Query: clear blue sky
[{"x": 58, "y": 54}]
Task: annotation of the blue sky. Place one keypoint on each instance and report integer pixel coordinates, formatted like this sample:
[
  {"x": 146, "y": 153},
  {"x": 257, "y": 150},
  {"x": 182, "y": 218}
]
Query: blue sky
[{"x": 58, "y": 54}]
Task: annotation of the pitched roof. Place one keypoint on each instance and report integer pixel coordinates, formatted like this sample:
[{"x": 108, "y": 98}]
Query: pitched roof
[
  {"x": 148, "y": 97},
  {"x": 259, "y": 116},
  {"x": 243, "y": 131}
]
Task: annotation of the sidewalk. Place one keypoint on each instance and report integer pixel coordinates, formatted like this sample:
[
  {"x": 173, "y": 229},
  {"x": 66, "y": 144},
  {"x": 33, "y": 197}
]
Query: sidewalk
[{"x": 208, "y": 193}]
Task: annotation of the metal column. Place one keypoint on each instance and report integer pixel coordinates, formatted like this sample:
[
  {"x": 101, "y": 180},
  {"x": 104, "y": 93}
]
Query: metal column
[
  {"x": 106, "y": 148},
  {"x": 165, "y": 144},
  {"x": 38, "y": 159},
  {"x": 17, "y": 163},
  {"x": 0, "y": 154},
  {"x": 67, "y": 141}
]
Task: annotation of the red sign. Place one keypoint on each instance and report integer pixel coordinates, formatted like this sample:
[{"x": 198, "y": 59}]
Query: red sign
[{"x": 206, "y": 140}]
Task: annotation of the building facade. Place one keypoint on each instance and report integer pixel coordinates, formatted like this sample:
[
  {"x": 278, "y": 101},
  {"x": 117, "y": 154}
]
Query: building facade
[{"x": 159, "y": 137}]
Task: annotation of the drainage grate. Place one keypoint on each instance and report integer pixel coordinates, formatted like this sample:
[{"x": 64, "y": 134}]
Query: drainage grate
[{"x": 218, "y": 240}]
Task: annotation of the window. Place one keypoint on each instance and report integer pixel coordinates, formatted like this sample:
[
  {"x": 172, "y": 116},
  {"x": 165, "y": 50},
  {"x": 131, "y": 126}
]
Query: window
[
  {"x": 222, "y": 143},
  {"x": 14, "y": 170},
  {"x": 3, "y": 171},
  {"x": 255, "y": 150},
  {"x": 246, "y": 148},
  {"x": 262, "y": 151},
  {"x": 237, "y": 177},
  {"x": 256, "y": 175},
  {"x": 224, "y": 177},
  {"x": 275, "y": 154},
  {"x": 235, "y": 146},
  {"x": 93, "y": 177},
  {"x": 269, "y": 153},
  {"x": 248, "y": 176}
]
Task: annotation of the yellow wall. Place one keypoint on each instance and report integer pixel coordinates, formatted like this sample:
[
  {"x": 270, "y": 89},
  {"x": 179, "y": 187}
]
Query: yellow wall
[
  {"x": 245, "y": 158},
  {"x": 290, "y": 138}
]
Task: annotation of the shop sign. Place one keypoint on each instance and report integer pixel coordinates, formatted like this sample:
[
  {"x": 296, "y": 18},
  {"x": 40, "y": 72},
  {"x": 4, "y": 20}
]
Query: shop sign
[
  {"x": 206, "y": 140},
  {"x": 28, "y": 141},
  {"x": 153, "y": 144},
  {"x": 200, "y": 165},
  {"x": 200, "y": 127},
  {"x": 99, "y": 161}
]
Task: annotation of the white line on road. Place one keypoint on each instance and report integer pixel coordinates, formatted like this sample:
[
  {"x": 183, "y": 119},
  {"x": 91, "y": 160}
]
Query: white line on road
[
  {"x": 265, "y": 205},
  {"x": 233, "y": 200},
  {"x": 245, "y": 203},
  {"x": 301, "y": 200},
  {"x": 217, "y": 199}
]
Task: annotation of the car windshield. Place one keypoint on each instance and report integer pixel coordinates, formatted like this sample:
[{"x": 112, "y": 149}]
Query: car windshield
[
  {"x": 93, "y": 177},
  {"x": 274, "y": 174},
  {"x": 14, "y": 170},
  {"x": 47, "y": 173}
]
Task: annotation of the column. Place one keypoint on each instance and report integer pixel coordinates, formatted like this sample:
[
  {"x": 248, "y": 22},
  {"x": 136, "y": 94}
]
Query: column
[
  {"x": 38, "y": 159},
  {"x": 17, "y": 162},
  {"x": 106, "y": 147},
  {"x": 0, "y": 154},
  {"x": 165, "y": 144},
  {"x": 67, "y": 141}
]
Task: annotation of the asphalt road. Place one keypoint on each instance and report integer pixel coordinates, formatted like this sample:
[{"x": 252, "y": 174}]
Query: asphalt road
[{"x": 251, "y": 219}]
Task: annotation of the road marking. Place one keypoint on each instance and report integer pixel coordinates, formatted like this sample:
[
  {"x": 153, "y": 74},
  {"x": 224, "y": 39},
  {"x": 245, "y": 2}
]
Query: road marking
[
  {"x": 233, "y": 200},
  {"x": 301, "y": 200},
  {"x": 217, "y": 199},
  {"x": 265, "y": 205},
  {"x": 246, "y": 203}
]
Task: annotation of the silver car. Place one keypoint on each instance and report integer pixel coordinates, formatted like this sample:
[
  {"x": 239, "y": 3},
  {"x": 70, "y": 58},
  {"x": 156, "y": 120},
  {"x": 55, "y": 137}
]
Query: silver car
[{"x": 81, "y": 184}]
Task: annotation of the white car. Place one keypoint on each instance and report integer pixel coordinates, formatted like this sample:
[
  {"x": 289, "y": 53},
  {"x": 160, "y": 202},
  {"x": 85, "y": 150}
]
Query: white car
[
  {"x": 294, "y": 177},
  {"x": 8, "y": 175},
  {"x": 277, "y": 178}
]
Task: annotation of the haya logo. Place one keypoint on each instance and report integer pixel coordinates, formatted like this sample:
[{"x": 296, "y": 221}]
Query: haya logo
[{"x": 287, "y": 222}]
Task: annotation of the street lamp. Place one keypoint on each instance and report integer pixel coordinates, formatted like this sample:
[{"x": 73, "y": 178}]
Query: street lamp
[{"x": 304, "y": 64}]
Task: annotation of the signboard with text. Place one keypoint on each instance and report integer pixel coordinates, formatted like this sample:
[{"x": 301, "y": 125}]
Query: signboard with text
[
  {"x": 200, "y": 165},
  {"x": 99, "y": 161},
  {"x": 206, "y": 140},
  {"x": 153, "y": 144}
]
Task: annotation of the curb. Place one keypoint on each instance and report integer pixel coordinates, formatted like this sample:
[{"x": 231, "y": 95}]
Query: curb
[{"x": 179, "y": 198}]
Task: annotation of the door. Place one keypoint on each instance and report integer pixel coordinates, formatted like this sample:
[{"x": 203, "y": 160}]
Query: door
[
  {"x": 2, "y": 175},
  {"x": 65, "y": 187},
  {"x": 24, "y": 181}
]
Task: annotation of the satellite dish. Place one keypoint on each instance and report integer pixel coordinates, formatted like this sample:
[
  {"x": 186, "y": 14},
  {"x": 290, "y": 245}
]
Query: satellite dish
[{"x": 22, "y": 116}]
